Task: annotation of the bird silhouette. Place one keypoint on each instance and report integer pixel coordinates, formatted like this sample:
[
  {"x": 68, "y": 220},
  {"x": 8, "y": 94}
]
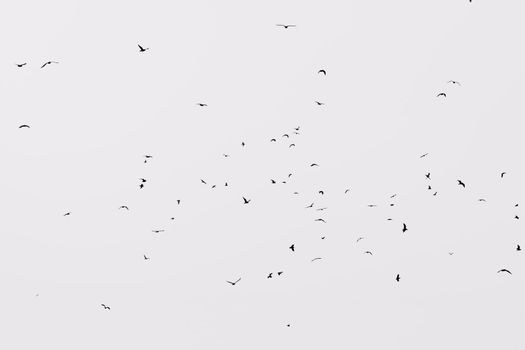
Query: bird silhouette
[
  {"x": 157, "y": 231},
  {"x": 48, "y": 62},
  {"x": 360, "y": 238},
  {"x": 291, "y": 145},
  {"x": 321, "y": 192},
  {"x": 273, "y": 140},
  {"x": 24, "y": 126},
  {"x": 398, "y": 278},
  {"x": 518, "y": 248},
  {"x": 105, "y": 307},
  {"x": 347, "y": 190},
  {"x": 505, "y": 270},
  {"x": 67, "y": 214},
  {"x": 427, "y": 176},
  {"x": 423, "y": 155},
  {"x": 20, "y": 65},
  {"x": 310, "y": 206},
  {"x": 319, "y": 103},
  {"x": 202, "y": 104},
  {"x": 368, "y": 252},
  {"x": 273, "y": 181},
  {"x": 322, "y": 220},
  {"x": 124, "y": 207},
  {"x": 482, "y": 200},
  {"x": 202, "y": 181},
  {"x": 321, "y": 71},
  {"x": 516, "y": 217},
  {"x": 142, "y": 180},
  {"x": 502, "y": 174},
  {"x": 279, "y": 273},
  {"x": 461, "y": 183},
  {"x": 314, "y": 164},
  {"x": 243, "y": 144},
  {"x": 246, "y": 201},
  {"x": 286, "y": 26},
  {"x": 286, "y": 135},
  {"x": 141, "y": 186},
  {"x": 269, "y": 275},
  {"x": 145, "y": 257},
  {"x": 292, "y": 247},
  {"x": 405, "y": 228},
  {"x": 314, "y": 259},
  {"x": 453, "y": 82},
  {"x": 234, "y": 283},
  {"x": 142, "y": 49},
  {"x": 441, "y": 94}
]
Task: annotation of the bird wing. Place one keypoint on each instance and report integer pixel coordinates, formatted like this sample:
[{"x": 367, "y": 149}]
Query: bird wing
[{"x": 140, "y": 47}]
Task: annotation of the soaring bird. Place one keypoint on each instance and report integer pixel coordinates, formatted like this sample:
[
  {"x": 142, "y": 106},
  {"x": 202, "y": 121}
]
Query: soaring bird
[
  {"x": 141, "y": 186},
  {"x": 319, "y": 103},
  {"x": 314, "y": 164},
  {"x": 314, "y": 259},
  {"x": 405, "y": 228},
  {"x": 310, "y": 206},
  {"x": 291, "y": 145},
  {"x": 20, "y": 65},
  {"x": 368, "y": 252},
  {"x": 178, "y": 201},
  {"x": 202, "y": 181},
  {"x": 321, "y": 71},
  {"x": 516, "y": 217},
  {"x": 273, "y": 140},
  {"x": 286, "y": 135},
  {"x": 461, "y": 183},
  {"x": 67, "y": 214},
  {"x": 398, "y": 277},
  {"x": 246, "y": 201},
  {"x": 505, "y": 270},
  {"x": 360, "y": 238},
  {"x": 202, "y": 104},
  {"x": 233, "y": 283},
  {"x": 441, "y": 94},
  {"x": 518, "y": 248},
  {"x": 24, "y": 126},
  {"x": 105, "y": 307},
  {"x": 273, "y": 181},
  {"x": 157, "y": 231},
  {"x": 423, "y": 155},
  {"x": 347, "y": 190},
  {"x": 279, "y": 273},
  {"x": 145, "y": 257},
  {"x": 143, "y": 49},
  {"x": 292, "y": 247},
  {"x": 124, "y": 207},
  {"x": 286, "y": 26},
  {"x": 48, "y": 62},
  {"x": 270, "y": 275},
  {"x": 427, "y": 176},
  {"x": 321, "y": 192},
  {"x": 142, "y": 180},
  {"x": 320, "y": 220},
  {"x": 482, "y": 200},
  {"x": 453, "y": 81},
  {"x": 502, "y": 174}
]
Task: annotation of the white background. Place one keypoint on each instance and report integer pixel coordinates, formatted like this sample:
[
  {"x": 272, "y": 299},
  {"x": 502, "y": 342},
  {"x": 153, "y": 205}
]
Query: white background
[{"x": 105, "y": 105}]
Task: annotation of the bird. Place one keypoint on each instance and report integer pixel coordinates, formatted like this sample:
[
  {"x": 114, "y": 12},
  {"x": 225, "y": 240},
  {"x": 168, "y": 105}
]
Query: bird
[
  {"x": 427, "y": 176},
  {"x": 147, "y": 156},
  {"x": 505, "y": 270},
  {"x": 273, "y": 181},
  {"x": 461, "y": 183},
  {"x": 372, "y": 205},
  {"x": 292, "y": 247},
  {"x": 314, "y": 164},
  {"x": 273, "y": 140},
  {"x": 453, "y": 81},
  {"x": 310, "y": 206},
  {"x": 286, "y": 26},
  {"x": 48, "y": 62},
  {"x": 202, "y": 104},
  {"x": 286, "y": 135},
  {"x": 319, "y": 103},
  {"x": 482, "y": 200},
  {"x": 392, "y": 196},
  {"x": 320, "y": 220},
  {"x": 141, "y": 186},
  {"x": 142, "y": 180},
  {"x": 145, "y": 257},
  {"x": 516, "y": 217},
  {"x": 279, "y": 273},
  {"x": 178, "y": 201},
  {"x": 360, "y": 238},
  {"x": 105, "y": 307},
  {"x": 518, "y": 248},
  {"x": 20, "y": 65},
  {"x": 67, "y": 214},
  {"x": 246, "y": 201},
  {"x": 435, "y": 194},
  {"x": 423, "y": 155},
  {"x": 243, "y": 144},
  {"x": 288, "y": 325},
  {"x": 321, "y": 71},
  {"x": 270, "y": 275},
  {"x": 143, "y": 49},
  {"x": 450, "y": 253},
  {"x": 24, "y": 126},
  {"x": 291, "y": 145},
  {"x": 233, "y": 283},
  {"x": 405, "y": 228},
  {"x": 429, "y": 187},
  {"x": 157, "y": 231},
  {"x": 202, "y": 181},
  {"x": 314, "y": 259},
  {"x": 398, "y": 277},
  {"x": 321, "y": 192},
  {"x": 347, "y": 190},
  {"x": 502, "y": 174},
  {"x": 124, "y": 207},
  {"x": 441, "y": 94},
  {"x": 368, "y": 252},
  {"x": 320, "y": 209}
]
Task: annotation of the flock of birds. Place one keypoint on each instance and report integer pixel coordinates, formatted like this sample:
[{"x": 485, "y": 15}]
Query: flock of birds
[{"x": 247, "y": 201}]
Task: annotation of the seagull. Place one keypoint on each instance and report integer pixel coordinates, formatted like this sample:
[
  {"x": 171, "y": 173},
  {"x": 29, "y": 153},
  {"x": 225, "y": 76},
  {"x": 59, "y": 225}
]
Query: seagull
[
  {"x": 286, "y": 135},
  {"x": 141, "y": 186},
  {"x": 423, "y": 155},
  {"x": 450, "y": 253},
  {"x": 518, "y": 248},
  {"x": 157, "y": 231},
  {"x": 124, "y": 207},
  {"x": 145, "y": 257},
  {"x": 24, "y": 126},
  {"x": 142, "y": 180},
  {"x": 314, "y": 259},
  {"x": 368, "y": 252},
  {"x": 273, "y": 140},
  {"x": 243, "y": 144},
  {"x": 147, "y": 156},
  {"x": 310, "y": 206},
  {"x": 482, "y": 200},
  {"x": 273, "y": 181},
  {"x": 502, "y": 174},
  {"x": 178, "y": 201},
  {"x": 269, "y": 275},
  {"x": 246, "y": 201},
  {"x": 20, "y": 65},
  {"x": 291, "y": 145},
  {"x": 292, "y": 247},
  {"x": 360, "y": 238},
  {"x": 372, "y": 205},
  {"x": 314, "y": 164},
  {"x": 427, "y": 176},
  {"x": 453, "y": 81},
  {"x": 429, "y": 187},
  {"x": 48, "y": 62},
  {"x": 279, "y": 273},
  {"x": 321, "y": 71},
  {"x": 435, "y": 194},
  {"x": 143, "y": 49},
  {"x": 398, "y": 277},
  {"x": 67, "y": 214},
  {"x": 441, "y": 94},
  {"x": 320, "y": 220},
  {"x": 105, "y": 307},
  {"x": 285, "y": 26},
  {"x": 319, "y": 103},
  {"x": 320, "y": 209},
  {"x": 347, "y": 190},
  {"x": 204, "y": 182},
  {"x": 505, "y": 270},
  {"x": 321, "y": 192},
  {"x": 392, "y": 196},
  {"x": 516, "y": 217},
  {"x": 405, "y": 228},
  {"x": 233, "y": 283},
  {"x": 461, "y": 183}
]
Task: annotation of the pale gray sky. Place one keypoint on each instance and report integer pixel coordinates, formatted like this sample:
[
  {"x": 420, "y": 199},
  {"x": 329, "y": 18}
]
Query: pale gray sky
[{"x": 105, "y": 105}]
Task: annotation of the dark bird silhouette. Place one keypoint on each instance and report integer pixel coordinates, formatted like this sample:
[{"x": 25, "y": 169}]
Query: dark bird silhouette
[
  {"x": 20, "y": 65},
  {"x": 314, "y": 259},
  {"x": 145, "y": 257},
  {"x": 105, "y": 307},
  {"x": 450, "y": 253},
  {"x": 202, "y": 181},
  {"x": 398, "y": 278},
  {"x": 392, "y": 196},
  {"x": 141, "y": 186},
  {"x": 289, "y": 175},
  {"x": 516, "y": 217},
  {"x": 453, "y": 81},
  {"x": 273, "y": 140},
  {"x": 286, "y": 135},
  {"x": 320, "y": 209},
  {"x": 481, "y": 200},
  {"x": 435, "y": 194},
  {"x": 270, "y": 275},
  {"x": 246, "y": 201},
  {"x": 347, "y": 190},
  {"x": 67, "y": 214},
  {"x": 423, "y": 155},
  {"x": 368, "y": 252},
  {"x": 518, "y": 248},
  {"x": 147, "y": 156},
  {"x": 505, "y": 270},
  {"x": 503, "y": 174},
  {"x": 273, "y": 181},
  {"x": 321, "y": 71},
  {"x": 243, "y": 144},
  {"x": 202, "y": 104},
  {"x": 124, "y": 207},
  {"x": 319, "y": 103},
  {"x": 322, "y": 220},
  {"x": 141, "y": 49},
  {"x": 321, "y": 192},
  {"x": 310, "y": 206},
  {"x": 405, "y": 228},
  {"x": 24, "y": 126},
  {"x": 429, "y": 187},
  {"x": 427, "y": 176},
  {"x": 360, "y": 238},
  {"x": 291, "y": 145},
  {"x": 225, "y": 155},
  {"x": 314, "y": 164},
  {"x": 142, "y": 180},
  {"x": 279, "y": 273},
  {"x": 178, "y": 201},
  {"x": 442, "y": 94},
  {"x": 292, "y": 247},
  {"x": 372, "y": 205},
  {"x": 157, "y": 231},
  {"x": 213, "y": 186},
  {"x": 461, "y": 183},
  {"x": 48, "y": 62},
  {"x": 286, "y": 26},
  {"x": 234, "y": 283}
]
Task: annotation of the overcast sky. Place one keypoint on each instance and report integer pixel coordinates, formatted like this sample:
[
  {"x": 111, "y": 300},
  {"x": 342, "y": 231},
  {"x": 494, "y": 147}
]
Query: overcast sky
[{"x": 95, "y": 114}]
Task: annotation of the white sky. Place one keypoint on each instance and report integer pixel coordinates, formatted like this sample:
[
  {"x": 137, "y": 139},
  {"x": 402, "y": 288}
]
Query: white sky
[{"x": 96, "y": 113}]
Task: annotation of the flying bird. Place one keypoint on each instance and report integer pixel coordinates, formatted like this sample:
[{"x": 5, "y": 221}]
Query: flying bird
[
  {"x": 202, "y": 104},
  {"x": 270, "y": 275},
  {"x": 246, "y": 201},
  {"x": 310, "y": 206},
  {"x": 321, "y": 192},
  {"x": 368, "y": 252},
  {"x": 124, "y": 207},
  {"x": 405, "y": 228},
  {"x": 286, "y": 26},
  {"x": 291, "y": 145},
  {"x": 157, "y": 231},
  {"x": 320, "y": 220},
  {"x": 286, "y": 135},
  {"x": 398, "y": 277},
  {"x": 145, "y": 257},
  {"x": 314, "y": 259},
  {"x": 321, "y": 71},
  {"x": 20, "y": 65},
  {"x": 279, "y": 273},
  {"x": 441, "y": 94},
  {"x": 518, "y": 248},
  {"x": 67, "y": 214},
  {"x": 142, "y": 180},
  {"x": 461, "y": 183},
  {"x": 273, "y": 140},
  {"x": 319, "y": 103},
  {"x": 292, "y": 247},
  {"x": 482, "y": 200},
  {"x": 105, "y": 307},
  {"x": 423, "y": 155},
  {"x": 233, "y": 283},
  {"x": 505, "y": 270},
  {"x": 360, "y": 238},
  {"x": 24, "y": 126},
  {"x": 453, "y": 81},
  {"x": 314, "y": 164},
  {"x": 427, "y": 176},
  {"x": 347, "y": 190},
  {"x": 202, "y": 181},
  {"x": 502, "y": 174},
  {"x": 143, "y": 49},
  {"x": 48, "y": 62}
]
